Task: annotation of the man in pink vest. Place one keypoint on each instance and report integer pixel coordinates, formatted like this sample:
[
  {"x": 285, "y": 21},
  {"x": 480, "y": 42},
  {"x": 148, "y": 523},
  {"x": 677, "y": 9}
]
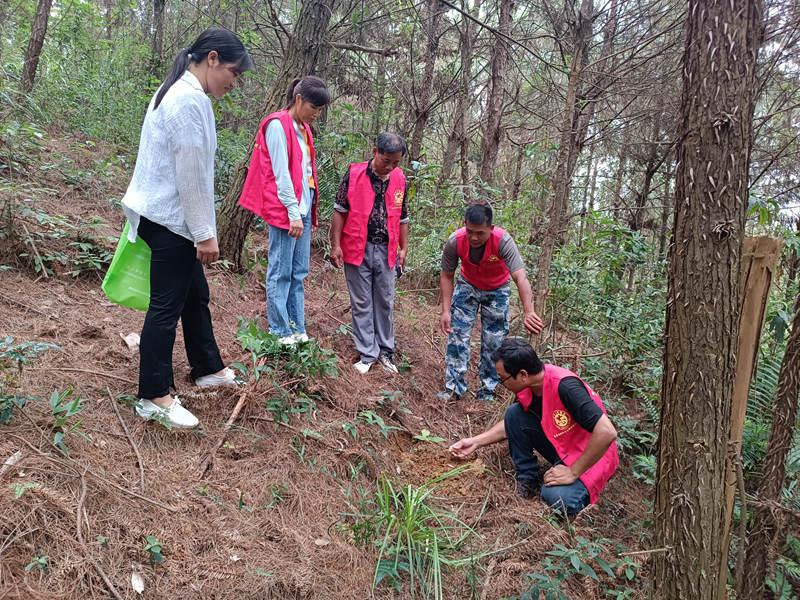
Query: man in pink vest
[
  {"x": 489, "y": 260},
  {"x": 369, "y": 236},
  {"x": 560, "y": 417}
]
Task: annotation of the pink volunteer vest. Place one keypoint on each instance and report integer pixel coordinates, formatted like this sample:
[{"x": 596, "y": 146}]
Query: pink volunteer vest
[
  {"x": 568, "y": 438},
  {"x": 260, "y": 192},
  {"x": 492, "y": 272},
  {"x": 361, "y": 198}
]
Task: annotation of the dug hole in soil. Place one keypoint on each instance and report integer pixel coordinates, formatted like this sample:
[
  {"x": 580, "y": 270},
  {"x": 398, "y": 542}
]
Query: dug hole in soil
[{"x": 270, "y": 516}]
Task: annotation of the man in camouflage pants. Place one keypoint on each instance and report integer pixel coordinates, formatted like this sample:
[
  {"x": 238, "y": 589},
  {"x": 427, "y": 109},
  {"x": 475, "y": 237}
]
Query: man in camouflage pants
[{"x": 489, "y": 258}]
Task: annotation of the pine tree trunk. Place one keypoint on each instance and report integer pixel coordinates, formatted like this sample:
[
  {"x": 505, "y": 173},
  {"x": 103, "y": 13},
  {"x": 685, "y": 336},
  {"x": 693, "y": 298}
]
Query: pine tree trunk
[
  {"x": 35, "y": 43},
  {"x": 305, "y": 55},
  {"x": 422, "y": 108},
  {"x": 703, "y": 307},
  {"x": 567, "y": 157},
  {"x": 459, "y": 135},
  {"x": 766, "y": 527},
  {"x": 490, "y": 144},
  {"x": 158, "y": 35}
]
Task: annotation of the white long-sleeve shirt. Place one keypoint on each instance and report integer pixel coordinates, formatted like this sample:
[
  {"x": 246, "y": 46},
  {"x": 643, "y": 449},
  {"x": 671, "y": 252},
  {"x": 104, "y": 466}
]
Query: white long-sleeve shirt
[
  {"x": 279, "y": 157},
  {"x": 173, "y": 180}
]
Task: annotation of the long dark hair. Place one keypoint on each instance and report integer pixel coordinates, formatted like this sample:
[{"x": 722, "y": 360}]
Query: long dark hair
[
  {"x": 228, "y": 46},
  {"x": 311, "y": 89}
]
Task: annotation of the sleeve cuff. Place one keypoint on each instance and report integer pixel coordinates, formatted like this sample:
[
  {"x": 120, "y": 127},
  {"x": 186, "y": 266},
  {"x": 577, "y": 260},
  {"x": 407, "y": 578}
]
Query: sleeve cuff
[
  {"x": 202, "y": 234},
  {"x": 294, "y": 213}
]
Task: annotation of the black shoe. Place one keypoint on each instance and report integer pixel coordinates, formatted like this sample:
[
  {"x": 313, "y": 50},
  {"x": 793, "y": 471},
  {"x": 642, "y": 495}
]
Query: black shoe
[{"x": 527, "y": 488}]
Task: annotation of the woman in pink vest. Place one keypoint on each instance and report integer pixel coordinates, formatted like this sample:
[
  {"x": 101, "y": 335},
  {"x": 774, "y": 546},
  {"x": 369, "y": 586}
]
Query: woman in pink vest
[
  {"x": 281, "y": 187},
  {"x": 560, "y": 417}
]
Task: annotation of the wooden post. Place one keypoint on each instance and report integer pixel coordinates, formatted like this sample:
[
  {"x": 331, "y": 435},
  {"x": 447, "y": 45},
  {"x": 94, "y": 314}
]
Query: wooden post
[{"x": 759, "y": 262}]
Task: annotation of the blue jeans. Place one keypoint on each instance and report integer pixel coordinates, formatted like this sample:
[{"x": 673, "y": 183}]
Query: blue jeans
[
  {"x": 287, "y": 268},
  {"x": 525, "y": 434}
]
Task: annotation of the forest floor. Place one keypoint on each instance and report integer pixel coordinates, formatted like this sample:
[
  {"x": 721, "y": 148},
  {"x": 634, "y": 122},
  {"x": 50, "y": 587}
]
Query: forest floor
[{"x": 275, "y": 515}]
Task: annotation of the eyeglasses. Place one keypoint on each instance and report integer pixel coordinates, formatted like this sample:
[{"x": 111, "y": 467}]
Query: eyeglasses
[{"x": 506, "y": 378}]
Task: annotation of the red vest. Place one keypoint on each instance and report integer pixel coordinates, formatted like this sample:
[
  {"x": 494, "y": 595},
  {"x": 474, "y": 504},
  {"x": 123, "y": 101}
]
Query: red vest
[
  {"x": 260, "y": 192},
  {"x": 568, "y": 438},
  {"x": 361, "y": 197},
  {"x": 492, "y": 272}
]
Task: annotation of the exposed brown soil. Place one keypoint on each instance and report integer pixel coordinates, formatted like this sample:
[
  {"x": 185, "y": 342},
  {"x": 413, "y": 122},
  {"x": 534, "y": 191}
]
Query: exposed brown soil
[{"x": 268, "y": 519}]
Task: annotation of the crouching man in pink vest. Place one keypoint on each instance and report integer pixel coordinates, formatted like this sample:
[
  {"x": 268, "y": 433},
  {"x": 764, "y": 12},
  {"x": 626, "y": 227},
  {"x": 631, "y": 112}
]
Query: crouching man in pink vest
[
  {"x": 560, "y": 417},
  {"x": 369, "y": 236}
]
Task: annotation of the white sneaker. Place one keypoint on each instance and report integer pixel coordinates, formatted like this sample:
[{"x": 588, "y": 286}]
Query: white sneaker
[
  {"x": 362, "y": 367},
  {"x": 176, "y": 415},
  {"x": 387, "y": 364},
  {"x": 300, "y": 338},
  {"x": 228, "y": 378},
  {"x": 288, "y": 340}
]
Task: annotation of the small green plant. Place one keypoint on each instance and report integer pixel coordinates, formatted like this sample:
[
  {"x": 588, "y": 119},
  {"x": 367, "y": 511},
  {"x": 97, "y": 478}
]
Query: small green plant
[
  {"x": 306, "y": 359},
  {"x": 38, "y": 562},
  {"x": 415, "y": 540},
  {"x": 644, "y": 468},
  {"x": 63, "y": 407},
  {"x": 22, "y": 353},
  {"x": 282, "y": 405},
  {"x": 350, "y": 429},
  {"x": 242, "y": 505},
  {"x": 583, "y": 560},
  {"x": 277, "y": 493},
  {"x": 371, "y": 418},
  {"x": 426, "y": 436},
  {"x": 20, "y": 488},
  {"x": 8, "y": 403},
  {"x": 155, "y": 549},
  {"x": 255, "y": 370}
]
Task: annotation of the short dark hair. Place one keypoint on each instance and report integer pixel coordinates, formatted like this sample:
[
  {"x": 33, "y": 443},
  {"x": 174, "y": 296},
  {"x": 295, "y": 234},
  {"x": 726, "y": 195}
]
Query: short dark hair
[
  {"x": 516, "y": 354},
  {"x": 389, "y": 143},
  {"x": 478, "y": 214}
]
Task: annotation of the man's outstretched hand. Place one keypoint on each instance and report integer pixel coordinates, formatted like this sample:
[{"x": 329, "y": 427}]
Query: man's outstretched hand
[{"x": 463, "y": 448}]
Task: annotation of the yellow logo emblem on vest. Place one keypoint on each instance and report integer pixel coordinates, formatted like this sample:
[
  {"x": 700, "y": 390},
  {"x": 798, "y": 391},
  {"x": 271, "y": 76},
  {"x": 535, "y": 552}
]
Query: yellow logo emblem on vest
[
  {"x": 493, "y": 258},
  {"x": 561, "y": 419},
  {"x": 398, "y": 199}
]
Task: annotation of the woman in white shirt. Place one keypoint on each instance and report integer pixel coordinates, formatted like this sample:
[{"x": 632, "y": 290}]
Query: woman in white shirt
[{"x": 170, "y": 204}]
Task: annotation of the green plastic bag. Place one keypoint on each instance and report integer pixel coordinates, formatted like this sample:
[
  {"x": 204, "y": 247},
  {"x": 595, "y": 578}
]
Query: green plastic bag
[{"x": 127, "y": 281}]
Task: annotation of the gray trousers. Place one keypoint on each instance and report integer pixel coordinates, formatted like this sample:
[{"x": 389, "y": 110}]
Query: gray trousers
[{"x": 371, "y": 286}]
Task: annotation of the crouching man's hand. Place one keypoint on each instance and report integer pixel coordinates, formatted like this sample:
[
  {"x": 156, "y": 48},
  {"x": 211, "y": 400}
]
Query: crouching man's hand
[{"x": 463, "y": 448}]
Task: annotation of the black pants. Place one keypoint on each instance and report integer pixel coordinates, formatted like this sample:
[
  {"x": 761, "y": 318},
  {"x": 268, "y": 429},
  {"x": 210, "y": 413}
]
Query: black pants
[
  {"x": 178, "y": 290},
  {"x": 525, "y": 434}
]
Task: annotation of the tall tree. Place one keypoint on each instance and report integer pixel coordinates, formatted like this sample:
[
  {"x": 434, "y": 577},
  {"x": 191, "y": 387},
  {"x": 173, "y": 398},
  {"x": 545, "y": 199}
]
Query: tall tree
[
  {"x": 567, "y": 155},
  {"x": 423, "y": 93},
  {"x": 766, "y": 524},
  {"x": 716, "y": 116},
  {"x": 492, "y": 130},
  {"x": 35, "y": 43},
  {"x": 306, "y": 54},
  {"x": 459, "y": 138},
  {"x": 158, "y": 35}
]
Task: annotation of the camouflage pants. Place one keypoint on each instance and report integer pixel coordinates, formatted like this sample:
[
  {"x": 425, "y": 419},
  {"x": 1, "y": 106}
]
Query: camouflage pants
[{"x": 493, "y": 305}]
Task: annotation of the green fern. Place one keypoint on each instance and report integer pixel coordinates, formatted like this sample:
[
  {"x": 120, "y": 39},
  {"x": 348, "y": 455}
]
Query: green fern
[{"x": 764, "y": 388}]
